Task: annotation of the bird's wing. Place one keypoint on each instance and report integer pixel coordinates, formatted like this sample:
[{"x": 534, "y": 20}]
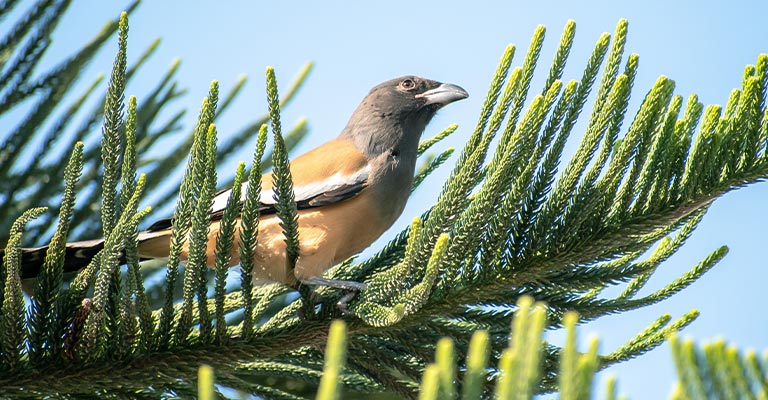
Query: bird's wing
[
  {"x": 331, "y": 173},
  {"x": 336, "y": 188}
]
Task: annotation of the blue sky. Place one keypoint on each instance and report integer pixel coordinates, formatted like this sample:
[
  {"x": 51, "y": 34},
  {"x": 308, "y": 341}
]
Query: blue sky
[{"x": 703, "y": 46}]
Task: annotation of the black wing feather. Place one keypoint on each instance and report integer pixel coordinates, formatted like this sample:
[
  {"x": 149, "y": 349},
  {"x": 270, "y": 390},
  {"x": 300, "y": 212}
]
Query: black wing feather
[{"x": 320, "y": 199}]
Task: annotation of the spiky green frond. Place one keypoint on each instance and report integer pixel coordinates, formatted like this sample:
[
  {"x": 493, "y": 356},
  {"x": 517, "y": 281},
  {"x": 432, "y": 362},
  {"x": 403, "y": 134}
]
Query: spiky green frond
[
  {"x": 195, "y": 279},
  {"x": 240, "y": 138},
  {"x": 13, "y": 316},
  {"x": 42, "y": 307},
  {"x": 335, "y": 356},
  {"x": 193, "y": 180},
  {"x": 430, "y": 164},
  {"x": 224, "y": 243},
  {"x": 426, "y": 144},
  {"x": 94, "y": 336},
  {"x": 249, "y": 227},
  {"x": 717, "y": 370},
  {"x": 56, "y": 123},
  {"x": 113, "y": 119},
  {"x": 477, "y": 360},
  {"x": 282, "y": 181}
]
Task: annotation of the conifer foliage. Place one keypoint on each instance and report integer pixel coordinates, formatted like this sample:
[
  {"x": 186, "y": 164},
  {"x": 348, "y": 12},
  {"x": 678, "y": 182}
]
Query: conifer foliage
[{"x": 514, "y": 222}]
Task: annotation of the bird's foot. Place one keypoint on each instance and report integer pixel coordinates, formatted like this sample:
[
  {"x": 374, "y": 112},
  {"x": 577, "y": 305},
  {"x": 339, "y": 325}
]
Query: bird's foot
[
  {"x": 353, "y": 287},
  {"x": 343, "y": 303}
]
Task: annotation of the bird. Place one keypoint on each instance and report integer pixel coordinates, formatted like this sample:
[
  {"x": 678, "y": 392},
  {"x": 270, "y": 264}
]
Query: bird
[{"x": 348, "y": 192}]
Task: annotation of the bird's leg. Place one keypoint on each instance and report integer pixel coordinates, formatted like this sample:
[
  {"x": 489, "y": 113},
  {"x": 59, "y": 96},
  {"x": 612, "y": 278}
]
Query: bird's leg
[
  {"x": 307, "y": 310},
  {"x": 353, "y": 287}
]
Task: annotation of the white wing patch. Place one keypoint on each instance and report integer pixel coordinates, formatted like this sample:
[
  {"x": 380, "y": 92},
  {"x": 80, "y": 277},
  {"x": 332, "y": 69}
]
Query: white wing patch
[
  {"x": 334, "y": 182},
  {"x": 220, "y": 200}
]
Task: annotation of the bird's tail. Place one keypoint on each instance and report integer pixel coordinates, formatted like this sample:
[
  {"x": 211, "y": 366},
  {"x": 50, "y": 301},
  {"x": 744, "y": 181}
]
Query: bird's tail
[{"x": 77, "y": 255}]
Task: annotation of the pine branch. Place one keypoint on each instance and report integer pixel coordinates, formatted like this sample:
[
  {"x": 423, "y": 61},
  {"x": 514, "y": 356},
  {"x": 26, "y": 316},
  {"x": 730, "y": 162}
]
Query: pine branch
[{"x": 503, "y": 227}]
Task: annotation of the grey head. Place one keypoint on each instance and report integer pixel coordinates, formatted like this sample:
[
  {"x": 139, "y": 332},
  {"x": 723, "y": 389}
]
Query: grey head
[{"x": 395, "y": 113}]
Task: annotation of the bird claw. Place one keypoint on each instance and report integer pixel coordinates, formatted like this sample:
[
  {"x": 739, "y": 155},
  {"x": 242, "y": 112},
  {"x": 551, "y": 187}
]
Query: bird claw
[
  {"x": 353, "y": 287},
  {"x": 343, "y": 303}
]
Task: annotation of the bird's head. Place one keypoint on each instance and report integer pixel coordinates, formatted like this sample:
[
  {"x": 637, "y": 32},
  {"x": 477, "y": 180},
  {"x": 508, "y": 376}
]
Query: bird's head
[
  {"x": 395, "y": 113},
  {"x": 408, "y": 96}
]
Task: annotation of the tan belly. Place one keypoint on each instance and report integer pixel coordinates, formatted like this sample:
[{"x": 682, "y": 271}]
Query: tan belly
[{"x": 327, "y": 235}]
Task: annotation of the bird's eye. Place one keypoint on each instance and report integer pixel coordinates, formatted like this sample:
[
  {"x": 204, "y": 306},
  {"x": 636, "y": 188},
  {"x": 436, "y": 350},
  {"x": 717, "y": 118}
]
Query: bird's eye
[{"x": 407, "y": 84}]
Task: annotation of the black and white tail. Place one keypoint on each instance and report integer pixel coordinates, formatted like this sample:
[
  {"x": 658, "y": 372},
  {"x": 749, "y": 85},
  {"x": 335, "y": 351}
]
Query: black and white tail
[{"x": 77, "y": 255}]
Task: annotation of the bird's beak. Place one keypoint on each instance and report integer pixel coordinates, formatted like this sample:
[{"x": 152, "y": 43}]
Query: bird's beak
[{"x": 444, "y": 94}]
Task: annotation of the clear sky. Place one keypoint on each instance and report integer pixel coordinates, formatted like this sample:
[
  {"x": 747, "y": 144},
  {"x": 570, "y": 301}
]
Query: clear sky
[{"x": 702, "y": 45}]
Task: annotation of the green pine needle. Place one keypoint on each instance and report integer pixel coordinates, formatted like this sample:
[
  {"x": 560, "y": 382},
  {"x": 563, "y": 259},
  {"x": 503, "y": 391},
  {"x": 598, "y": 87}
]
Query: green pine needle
[
  {"x": 13, "y": 318},
  {"x": 477, "y": 361},
  {"x": 282, "y": 181},
  {"x": 249, "y": 226},
  {"x": 42, "y": 311},
  {"x": 429, "y": 166},
  {"x": 128, "y": 173},
  {"x": 190, "y": 184},
  {"x": 205, "y": 383},
  {"x": 445, "y": 359},
  {"x": 94, "y": 332},
  {"x": 426, "y": 144},
  {"x": 224, "y": 243},
  {"x": 113, "y": 119},
  {"x": 335, "y": 356},
  {"x": 430, "y": 383},
  {"x": 195, "y": 284}
]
